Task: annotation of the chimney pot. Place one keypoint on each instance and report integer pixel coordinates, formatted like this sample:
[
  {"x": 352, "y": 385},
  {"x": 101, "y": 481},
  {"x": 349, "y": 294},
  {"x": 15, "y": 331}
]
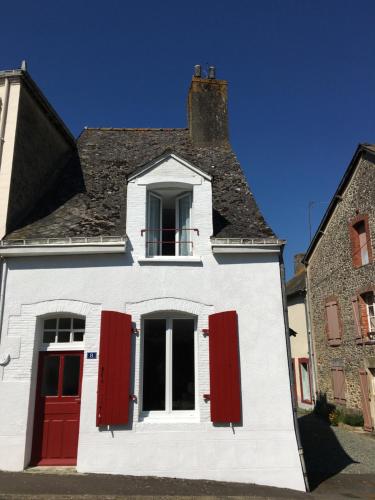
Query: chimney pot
[
  {"x": 197, "y": 70},
  {"x": 212, "y": 72}
]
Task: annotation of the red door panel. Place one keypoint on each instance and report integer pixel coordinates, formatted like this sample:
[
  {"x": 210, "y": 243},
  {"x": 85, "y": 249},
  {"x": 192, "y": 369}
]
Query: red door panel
[{"x": 57, "y": 408}]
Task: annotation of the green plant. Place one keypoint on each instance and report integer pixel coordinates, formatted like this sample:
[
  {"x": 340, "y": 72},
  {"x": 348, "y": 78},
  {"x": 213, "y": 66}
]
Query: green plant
[
  {"x": 353, "y": 419},
  {"x": 334, "y": 417}
]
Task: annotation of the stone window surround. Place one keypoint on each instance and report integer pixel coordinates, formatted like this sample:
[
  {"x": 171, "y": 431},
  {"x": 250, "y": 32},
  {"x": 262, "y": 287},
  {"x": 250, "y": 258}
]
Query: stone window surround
[
  {"x": 333, "y": 342},
  {"x": 353, "y": 235}
]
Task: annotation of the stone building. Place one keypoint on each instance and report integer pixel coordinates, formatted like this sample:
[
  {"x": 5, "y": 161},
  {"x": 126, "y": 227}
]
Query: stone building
[
  {"x": 341, "y": 285},
  {"x": 299, "y": 336},
  {"x": 139, "y": 301}
]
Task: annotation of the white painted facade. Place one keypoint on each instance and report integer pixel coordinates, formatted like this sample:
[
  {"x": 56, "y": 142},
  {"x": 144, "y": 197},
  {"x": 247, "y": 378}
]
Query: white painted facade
[{"x": 263, "y": 449}]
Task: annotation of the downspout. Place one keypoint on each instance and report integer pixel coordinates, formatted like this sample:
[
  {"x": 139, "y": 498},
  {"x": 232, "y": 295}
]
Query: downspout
[
  {"x": 309, "y": 336},
  {"x": 287, "y": 339},
  {"x": 4, "y": 117}
]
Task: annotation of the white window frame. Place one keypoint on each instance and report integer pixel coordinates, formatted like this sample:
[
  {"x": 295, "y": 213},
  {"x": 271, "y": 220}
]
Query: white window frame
[
  {"x": 169, "y": 414},
  {"x": 148, "y": 208},
  {"x": 62, "y": 346},
  {"x": 368, "y": 310},
  {"x": 190, "y": 233}
]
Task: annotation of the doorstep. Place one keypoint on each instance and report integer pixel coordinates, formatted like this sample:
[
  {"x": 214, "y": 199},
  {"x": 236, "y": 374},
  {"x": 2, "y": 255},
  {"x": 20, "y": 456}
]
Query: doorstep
[{"x": 51, "y": 469}]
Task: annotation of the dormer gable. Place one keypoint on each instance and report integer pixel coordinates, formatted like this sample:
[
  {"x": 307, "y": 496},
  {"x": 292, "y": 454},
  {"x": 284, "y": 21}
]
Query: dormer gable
[
  {"x": 169, "y": 209},
  {"x": 171, "y": 168}
]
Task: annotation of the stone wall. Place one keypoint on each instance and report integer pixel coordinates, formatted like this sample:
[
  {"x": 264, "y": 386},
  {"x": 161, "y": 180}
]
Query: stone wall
[{"x": 331, "y": 273}]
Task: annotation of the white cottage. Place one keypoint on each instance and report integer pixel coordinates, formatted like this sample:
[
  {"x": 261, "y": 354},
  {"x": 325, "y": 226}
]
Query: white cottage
[{"x": 143, "y": 327}]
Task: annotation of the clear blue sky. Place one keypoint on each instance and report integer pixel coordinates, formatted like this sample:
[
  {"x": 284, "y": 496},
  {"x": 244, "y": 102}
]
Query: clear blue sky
[{"x": 301, "y": 81}]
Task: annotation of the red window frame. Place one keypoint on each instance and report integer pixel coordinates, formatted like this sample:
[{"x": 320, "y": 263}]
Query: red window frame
[
  {"x": 306, "y": 361},
  {"x": 355, "y": 243}
]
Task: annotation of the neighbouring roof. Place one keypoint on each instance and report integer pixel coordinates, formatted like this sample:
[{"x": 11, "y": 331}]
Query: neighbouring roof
[
  {"x": 362, "y": 148},
  {"x": 297, "y": 284},
  {"x": 90, "y": 198}
]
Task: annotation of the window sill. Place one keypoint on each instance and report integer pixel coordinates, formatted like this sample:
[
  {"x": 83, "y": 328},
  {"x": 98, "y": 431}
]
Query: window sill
[
  {"x": 169, "y": 418},
  {"x": 169, "y": 259},
  {"x": 63, "y": 346}
]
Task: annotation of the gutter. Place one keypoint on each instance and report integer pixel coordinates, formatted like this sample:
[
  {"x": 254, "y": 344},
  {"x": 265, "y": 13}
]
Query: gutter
[
  {"x": 310, "y": 337},
  {"x": 289, "y": 355},
  {"x": 62, "y": 246},
  {"x": 4, "y": 113},
  {"x": 246, "y": 245},
  {"x": 3, "y": 278}
]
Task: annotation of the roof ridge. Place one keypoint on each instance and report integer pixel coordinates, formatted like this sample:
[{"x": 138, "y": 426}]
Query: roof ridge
[{"x": 138, "y": 129}]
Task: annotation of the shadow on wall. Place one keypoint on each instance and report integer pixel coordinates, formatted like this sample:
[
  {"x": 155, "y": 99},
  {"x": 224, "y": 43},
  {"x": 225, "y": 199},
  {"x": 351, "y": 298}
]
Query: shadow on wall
[{"x": 324, "y": 456}]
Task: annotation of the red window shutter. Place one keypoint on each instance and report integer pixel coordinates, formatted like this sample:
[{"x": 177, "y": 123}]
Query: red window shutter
[
  {"x": 357, "y": 320},
  {"x": 225, "y": 386},
  {"x": 333, "y": 326},
  {"x": 365, "y": 397},
  {"x": 114, "y": 369}
]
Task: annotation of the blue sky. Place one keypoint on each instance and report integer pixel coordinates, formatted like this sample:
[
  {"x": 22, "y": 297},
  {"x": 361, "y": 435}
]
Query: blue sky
[{"x": 301, "y": 81}]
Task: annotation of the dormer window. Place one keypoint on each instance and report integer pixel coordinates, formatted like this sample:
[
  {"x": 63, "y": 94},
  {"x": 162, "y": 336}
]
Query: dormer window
[{"x": 169, "y": 230}]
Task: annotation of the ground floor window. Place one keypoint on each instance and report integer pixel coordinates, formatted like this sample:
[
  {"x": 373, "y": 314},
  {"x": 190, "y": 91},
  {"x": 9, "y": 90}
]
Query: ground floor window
[{"x": 168, "y": 365}]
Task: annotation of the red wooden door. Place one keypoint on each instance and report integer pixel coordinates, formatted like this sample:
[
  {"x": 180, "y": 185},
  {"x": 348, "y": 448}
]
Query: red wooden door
[{"x": 57, "y": 408}]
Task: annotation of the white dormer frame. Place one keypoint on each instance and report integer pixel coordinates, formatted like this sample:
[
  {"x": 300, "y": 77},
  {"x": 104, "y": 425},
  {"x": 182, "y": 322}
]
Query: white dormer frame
[{"x": 164, "y": 172}]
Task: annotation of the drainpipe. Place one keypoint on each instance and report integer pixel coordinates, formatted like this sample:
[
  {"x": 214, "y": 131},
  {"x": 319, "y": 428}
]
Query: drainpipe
[
  {"x": 294, "y": 406},
  {"x": 4, "y": 117},
  {"x": 309, "y": 336}
]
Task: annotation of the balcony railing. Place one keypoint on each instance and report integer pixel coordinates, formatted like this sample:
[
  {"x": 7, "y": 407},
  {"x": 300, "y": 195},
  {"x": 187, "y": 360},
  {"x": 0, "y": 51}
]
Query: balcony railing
[{"x": 172, "y": 244}]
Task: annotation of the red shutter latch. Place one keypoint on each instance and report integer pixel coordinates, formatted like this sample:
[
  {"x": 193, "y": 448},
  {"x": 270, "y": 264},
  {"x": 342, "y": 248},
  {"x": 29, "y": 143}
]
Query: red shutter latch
[
  {"x": 206, "y": 397},
  {"x": 133, "y": 397},
  {"x": 205, "y": 331}
]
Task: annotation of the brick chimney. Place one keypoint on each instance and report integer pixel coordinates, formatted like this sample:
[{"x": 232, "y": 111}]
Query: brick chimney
[
  {"x": 208, "y": 109},
  {"x": 298, "y": 266}
]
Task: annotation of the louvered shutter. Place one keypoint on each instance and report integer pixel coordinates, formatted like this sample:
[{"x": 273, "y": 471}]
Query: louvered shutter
[
  {"x": 225, "y": 386},
  {"x": 338, "y": 382},
  {"x": 365, "y": 397},
  {"x": 333, "y": 327},
  {"x": 357, "y": 320},
  {"x": 114, "y": 369}
]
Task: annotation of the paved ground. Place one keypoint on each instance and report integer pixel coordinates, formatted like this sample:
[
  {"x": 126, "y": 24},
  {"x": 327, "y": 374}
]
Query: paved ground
[{"x": 340, "y": 465}]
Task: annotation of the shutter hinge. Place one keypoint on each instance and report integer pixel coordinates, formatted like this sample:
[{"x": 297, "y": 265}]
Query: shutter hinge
[
  {"x": 205, "y": 331},
  {"x": 135, "y": 331},
  {"x": 133, "y": 397},
  {"x": 206, "y": 397}
]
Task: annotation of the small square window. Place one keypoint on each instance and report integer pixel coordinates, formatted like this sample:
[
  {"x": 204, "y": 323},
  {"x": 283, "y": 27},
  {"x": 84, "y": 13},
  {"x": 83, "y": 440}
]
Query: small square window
[
  {"x": 50, "y": 324},
  {"x": 78, "y": 324},
  {"x": 49, "y": 337},
  {"x": 64, "y": 323},
  {"x": 78, "y": 336},
  {"x": 63, "y": 337}
]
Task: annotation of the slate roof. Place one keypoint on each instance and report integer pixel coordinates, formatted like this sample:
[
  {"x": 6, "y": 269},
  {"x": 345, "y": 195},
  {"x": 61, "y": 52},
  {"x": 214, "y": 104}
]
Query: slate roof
[
  {"x": 297, "y": 284},
  {"x": 90, "y": 197}
]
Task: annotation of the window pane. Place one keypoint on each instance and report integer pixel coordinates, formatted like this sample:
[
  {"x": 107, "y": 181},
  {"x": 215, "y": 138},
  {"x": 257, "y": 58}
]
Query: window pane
[
  {"x": 306, "y": 396},
  {"x": 63, "y": 337},
  {"x": 78, "y": 336},
  {"x": 183, "y": 365},
  {"x": 64, "y": 323},
  {"x": 71, "y": 375},
  {"x": 48, "y": 337},
  {"x": 184, "y": 205},
  {"x": 78, "y": 324},
  {"x": 50, "y": 377},
  {"x": 154, "y": 364},
  {"x": 153, "y": 235},
  {"x": 50, "y": 324}
]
